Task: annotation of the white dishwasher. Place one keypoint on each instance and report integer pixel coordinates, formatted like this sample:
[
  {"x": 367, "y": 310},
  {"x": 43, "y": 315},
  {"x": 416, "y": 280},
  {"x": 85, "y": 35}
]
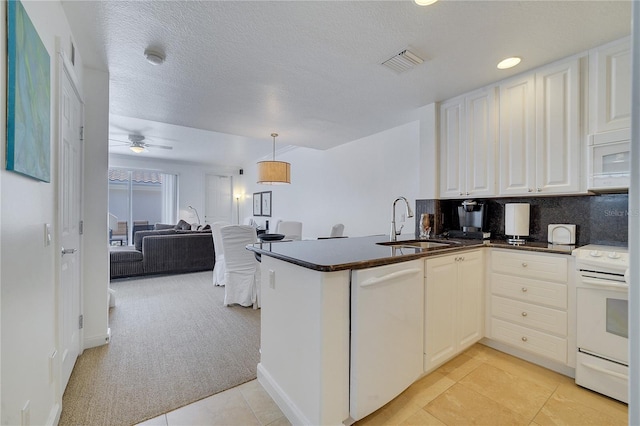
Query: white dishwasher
[{"x": 386, "y": 334}]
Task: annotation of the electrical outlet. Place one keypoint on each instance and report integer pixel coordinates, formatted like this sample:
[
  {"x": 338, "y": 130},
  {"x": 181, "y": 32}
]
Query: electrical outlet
[
  {"x": 272, "y": 279},
  {"x": 403, "y": 217}
]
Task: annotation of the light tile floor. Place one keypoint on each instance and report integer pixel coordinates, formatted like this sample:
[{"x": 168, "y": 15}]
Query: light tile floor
[{"x": 482, "y": 386}]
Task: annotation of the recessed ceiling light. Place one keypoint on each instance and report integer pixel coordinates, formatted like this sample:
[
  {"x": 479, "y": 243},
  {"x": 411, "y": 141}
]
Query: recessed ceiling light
[
  {"x": 509, "y": 63},
  {"x": 424, "y": 2},
  {"x": 153, "y": 57}
]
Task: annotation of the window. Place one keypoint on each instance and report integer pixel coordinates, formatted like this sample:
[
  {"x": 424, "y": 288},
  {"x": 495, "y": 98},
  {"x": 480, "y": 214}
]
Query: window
[{"x": 142, "y": 198}]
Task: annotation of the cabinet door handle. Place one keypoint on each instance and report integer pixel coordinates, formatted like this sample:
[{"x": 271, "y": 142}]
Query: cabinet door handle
[
  {"x": 524, "y": 289},
  {"x": 538, "y": 189},
  {"x": 524, "y": 339},
  {"x": 524, "y": 314},
  {"x": 529, "y": 189},
  {"x": 524, "y": 264}
]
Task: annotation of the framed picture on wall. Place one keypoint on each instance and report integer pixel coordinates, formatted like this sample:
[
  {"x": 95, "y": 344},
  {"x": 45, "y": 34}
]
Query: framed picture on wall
[
  {"x": 257, "y": 204},
  {"x": 266, "y": 203}
]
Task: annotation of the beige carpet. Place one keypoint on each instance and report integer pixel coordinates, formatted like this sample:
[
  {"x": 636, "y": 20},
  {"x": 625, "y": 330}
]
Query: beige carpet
[{"x": 172, "y": 343}]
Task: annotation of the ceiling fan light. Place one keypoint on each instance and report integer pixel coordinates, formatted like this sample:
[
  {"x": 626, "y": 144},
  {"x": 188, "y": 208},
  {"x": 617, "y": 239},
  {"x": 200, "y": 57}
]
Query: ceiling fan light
[
  {"x": 153, "y": 57},
  {"x": 136, "y": 149}
]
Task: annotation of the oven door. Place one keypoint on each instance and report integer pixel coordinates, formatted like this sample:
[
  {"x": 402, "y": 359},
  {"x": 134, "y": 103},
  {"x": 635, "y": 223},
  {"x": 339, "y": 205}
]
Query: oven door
[{"x": 603, "y": 322}]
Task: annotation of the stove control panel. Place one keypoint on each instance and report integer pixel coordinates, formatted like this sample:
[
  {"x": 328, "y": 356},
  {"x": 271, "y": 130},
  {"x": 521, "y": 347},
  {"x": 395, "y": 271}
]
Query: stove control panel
[{"x": 610, "y": 257}]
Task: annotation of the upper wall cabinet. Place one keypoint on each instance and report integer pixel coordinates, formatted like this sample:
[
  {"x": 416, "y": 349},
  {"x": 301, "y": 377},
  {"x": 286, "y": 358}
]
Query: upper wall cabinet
[
  {"x": 610, "y": 87},
  {"x": 467, "y": 145},
  {"x": 540, "y": 131}
]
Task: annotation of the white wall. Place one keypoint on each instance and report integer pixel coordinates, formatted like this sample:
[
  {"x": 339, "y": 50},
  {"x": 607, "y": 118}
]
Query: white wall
[
  {"x": 354, "y": 184},
  {"x": 27, "y": 267}
]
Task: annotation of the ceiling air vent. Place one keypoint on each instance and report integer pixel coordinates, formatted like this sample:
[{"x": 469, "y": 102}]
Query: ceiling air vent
[{"x": 403, "y": 61}]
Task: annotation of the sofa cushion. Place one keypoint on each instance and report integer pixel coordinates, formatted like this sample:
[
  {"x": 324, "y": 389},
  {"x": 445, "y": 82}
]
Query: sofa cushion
[
  {"x": 125, "y": 254},
  {"x": 137, "y": 240}
]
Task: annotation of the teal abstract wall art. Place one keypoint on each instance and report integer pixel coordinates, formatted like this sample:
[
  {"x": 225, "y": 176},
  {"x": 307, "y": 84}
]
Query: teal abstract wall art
[{"x": 28, "y": 97}]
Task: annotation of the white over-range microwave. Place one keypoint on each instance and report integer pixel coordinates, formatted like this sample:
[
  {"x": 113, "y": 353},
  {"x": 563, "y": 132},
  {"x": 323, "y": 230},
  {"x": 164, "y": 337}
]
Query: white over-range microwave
[{"x": 609, "y": 160}]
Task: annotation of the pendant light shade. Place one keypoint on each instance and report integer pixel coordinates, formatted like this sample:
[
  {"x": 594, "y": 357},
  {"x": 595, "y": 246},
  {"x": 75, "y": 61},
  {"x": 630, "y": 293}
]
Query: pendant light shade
[{"x": 274, "y": 172}]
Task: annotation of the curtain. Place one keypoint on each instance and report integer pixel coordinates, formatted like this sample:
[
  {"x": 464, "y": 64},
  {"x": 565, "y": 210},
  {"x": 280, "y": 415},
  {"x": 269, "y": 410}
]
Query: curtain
[{"x": 169, "y": 198}]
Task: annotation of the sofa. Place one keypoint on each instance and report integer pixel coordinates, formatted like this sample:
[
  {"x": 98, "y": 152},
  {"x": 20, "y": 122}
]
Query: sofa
[{"x": 164, "y": 250}]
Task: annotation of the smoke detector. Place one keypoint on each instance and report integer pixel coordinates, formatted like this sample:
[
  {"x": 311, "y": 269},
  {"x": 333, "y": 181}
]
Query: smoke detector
[
  {"x": 154, "y": 57},
  {"x": 403, "y": 61}
]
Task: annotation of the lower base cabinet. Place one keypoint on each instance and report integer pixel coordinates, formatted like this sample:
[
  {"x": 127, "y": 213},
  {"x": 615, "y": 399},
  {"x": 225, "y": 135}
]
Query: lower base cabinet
[
  {"x": 454, "y": 305},
  {"x": 529, "y": 303}
]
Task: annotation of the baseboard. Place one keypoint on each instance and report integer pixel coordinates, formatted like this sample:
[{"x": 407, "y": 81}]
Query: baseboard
[
  {"x": 54, "y": 415},
  {"x": 288, "y": 408},
  {"x": 95, "y": 341},
  {"x": 534, "y": 359}
]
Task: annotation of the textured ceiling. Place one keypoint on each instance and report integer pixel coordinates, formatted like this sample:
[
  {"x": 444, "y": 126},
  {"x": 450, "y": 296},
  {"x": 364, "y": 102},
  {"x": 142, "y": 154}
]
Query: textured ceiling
[{"x": 310, "y": 70}]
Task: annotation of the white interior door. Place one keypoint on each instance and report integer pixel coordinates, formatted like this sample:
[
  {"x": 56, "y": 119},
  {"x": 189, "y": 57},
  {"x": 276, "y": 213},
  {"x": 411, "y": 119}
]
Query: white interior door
[
  {"x": 218, "y": 199},
  {"x": 71, "y": 111}
]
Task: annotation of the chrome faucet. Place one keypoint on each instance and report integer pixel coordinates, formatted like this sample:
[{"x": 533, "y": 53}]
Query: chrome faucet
[{"x": 393, "y": 234}]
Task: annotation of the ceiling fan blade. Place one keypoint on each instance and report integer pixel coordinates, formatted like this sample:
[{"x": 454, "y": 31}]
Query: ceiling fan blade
[
  {"x": 159, "y": 146},
  {"x": 118, "y": 142}
]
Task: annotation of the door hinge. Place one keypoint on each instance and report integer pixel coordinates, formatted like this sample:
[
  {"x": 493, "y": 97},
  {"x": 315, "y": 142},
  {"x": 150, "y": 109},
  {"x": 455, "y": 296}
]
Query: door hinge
[
  {"x": 81, "y": 321},
  {"x": 81, "y": 227},
  {"x": 81, "y": 133}
]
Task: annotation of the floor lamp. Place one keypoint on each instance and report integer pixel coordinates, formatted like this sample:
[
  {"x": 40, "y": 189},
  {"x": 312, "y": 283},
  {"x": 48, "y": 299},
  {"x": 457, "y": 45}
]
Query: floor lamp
[{"x": 238, "y": 207}]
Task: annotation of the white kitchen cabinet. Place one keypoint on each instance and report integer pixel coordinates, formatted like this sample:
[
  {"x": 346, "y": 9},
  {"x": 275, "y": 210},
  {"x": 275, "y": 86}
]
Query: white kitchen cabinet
[
  {"x": 540, "y": 131},
  {"x": 454, "y": 305},
  {"x": 467, "y": 145},
  {"x": 610, "y": 87},
  {"x": 529, "y": 303}
]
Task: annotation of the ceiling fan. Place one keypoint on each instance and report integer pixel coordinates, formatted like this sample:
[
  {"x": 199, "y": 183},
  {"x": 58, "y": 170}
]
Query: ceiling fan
[{"x": 137, "y": 144}]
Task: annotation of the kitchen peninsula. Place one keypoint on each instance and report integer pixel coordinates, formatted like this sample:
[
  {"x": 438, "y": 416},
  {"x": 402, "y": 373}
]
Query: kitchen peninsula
[{"x": 343, "y": 320}]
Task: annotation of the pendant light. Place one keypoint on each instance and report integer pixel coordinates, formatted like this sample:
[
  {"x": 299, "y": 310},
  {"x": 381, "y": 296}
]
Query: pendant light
[{"x": 274, "y": 172}]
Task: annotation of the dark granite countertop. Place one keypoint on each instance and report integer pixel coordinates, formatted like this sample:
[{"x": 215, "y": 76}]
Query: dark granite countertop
[{"x": 336, "y": 254}]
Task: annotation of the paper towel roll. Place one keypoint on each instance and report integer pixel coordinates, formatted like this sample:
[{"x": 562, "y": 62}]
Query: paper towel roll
[{"x": 516, "y": 219}]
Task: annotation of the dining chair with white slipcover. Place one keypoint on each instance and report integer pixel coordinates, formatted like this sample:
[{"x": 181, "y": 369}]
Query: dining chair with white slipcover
[
  {"x": 218, "y": 267},
  {"x": 290, "y": 229},
  {"x": 242, "y": 270}
]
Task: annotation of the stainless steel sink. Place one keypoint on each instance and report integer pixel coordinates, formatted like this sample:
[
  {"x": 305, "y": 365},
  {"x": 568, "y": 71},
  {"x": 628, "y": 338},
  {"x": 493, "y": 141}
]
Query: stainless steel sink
[{"x": 420, "y": 244}]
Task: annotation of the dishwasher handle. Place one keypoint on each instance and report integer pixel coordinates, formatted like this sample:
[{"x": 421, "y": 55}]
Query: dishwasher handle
[{"x": 392, "y": 276}]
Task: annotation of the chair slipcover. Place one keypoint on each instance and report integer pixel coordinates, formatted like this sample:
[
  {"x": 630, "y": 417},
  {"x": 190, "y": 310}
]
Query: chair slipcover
[
  {"x": 242, "y": 270},
  {"x": 291, "y": 230},
  {"x": 337, "y": 230},
  {"x": 218, "y": 247}
]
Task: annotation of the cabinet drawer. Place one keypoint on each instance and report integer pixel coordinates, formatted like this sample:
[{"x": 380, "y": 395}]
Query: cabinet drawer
[
  {"x": 530, "y": 340},
  {"x": 553, "y": 268},
  {"x": 545, "y": 319},
  {"x": 526, "y": 289}
]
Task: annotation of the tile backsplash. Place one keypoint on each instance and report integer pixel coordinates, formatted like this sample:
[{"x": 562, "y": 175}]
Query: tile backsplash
[{"x": 599, "y": 219}]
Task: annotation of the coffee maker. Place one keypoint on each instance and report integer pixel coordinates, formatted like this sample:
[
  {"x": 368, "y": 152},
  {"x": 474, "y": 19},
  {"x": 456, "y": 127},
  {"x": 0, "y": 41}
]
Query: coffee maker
[{"x": 471, "y": 217}]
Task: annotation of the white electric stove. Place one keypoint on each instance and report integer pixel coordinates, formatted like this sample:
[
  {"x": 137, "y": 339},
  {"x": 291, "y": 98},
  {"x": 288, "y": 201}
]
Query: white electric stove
[{"x": 602, "y": 362}]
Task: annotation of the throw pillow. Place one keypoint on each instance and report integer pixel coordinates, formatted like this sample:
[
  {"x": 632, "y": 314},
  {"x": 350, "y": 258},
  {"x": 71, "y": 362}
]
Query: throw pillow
[{"x": 182, "y": 225}]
